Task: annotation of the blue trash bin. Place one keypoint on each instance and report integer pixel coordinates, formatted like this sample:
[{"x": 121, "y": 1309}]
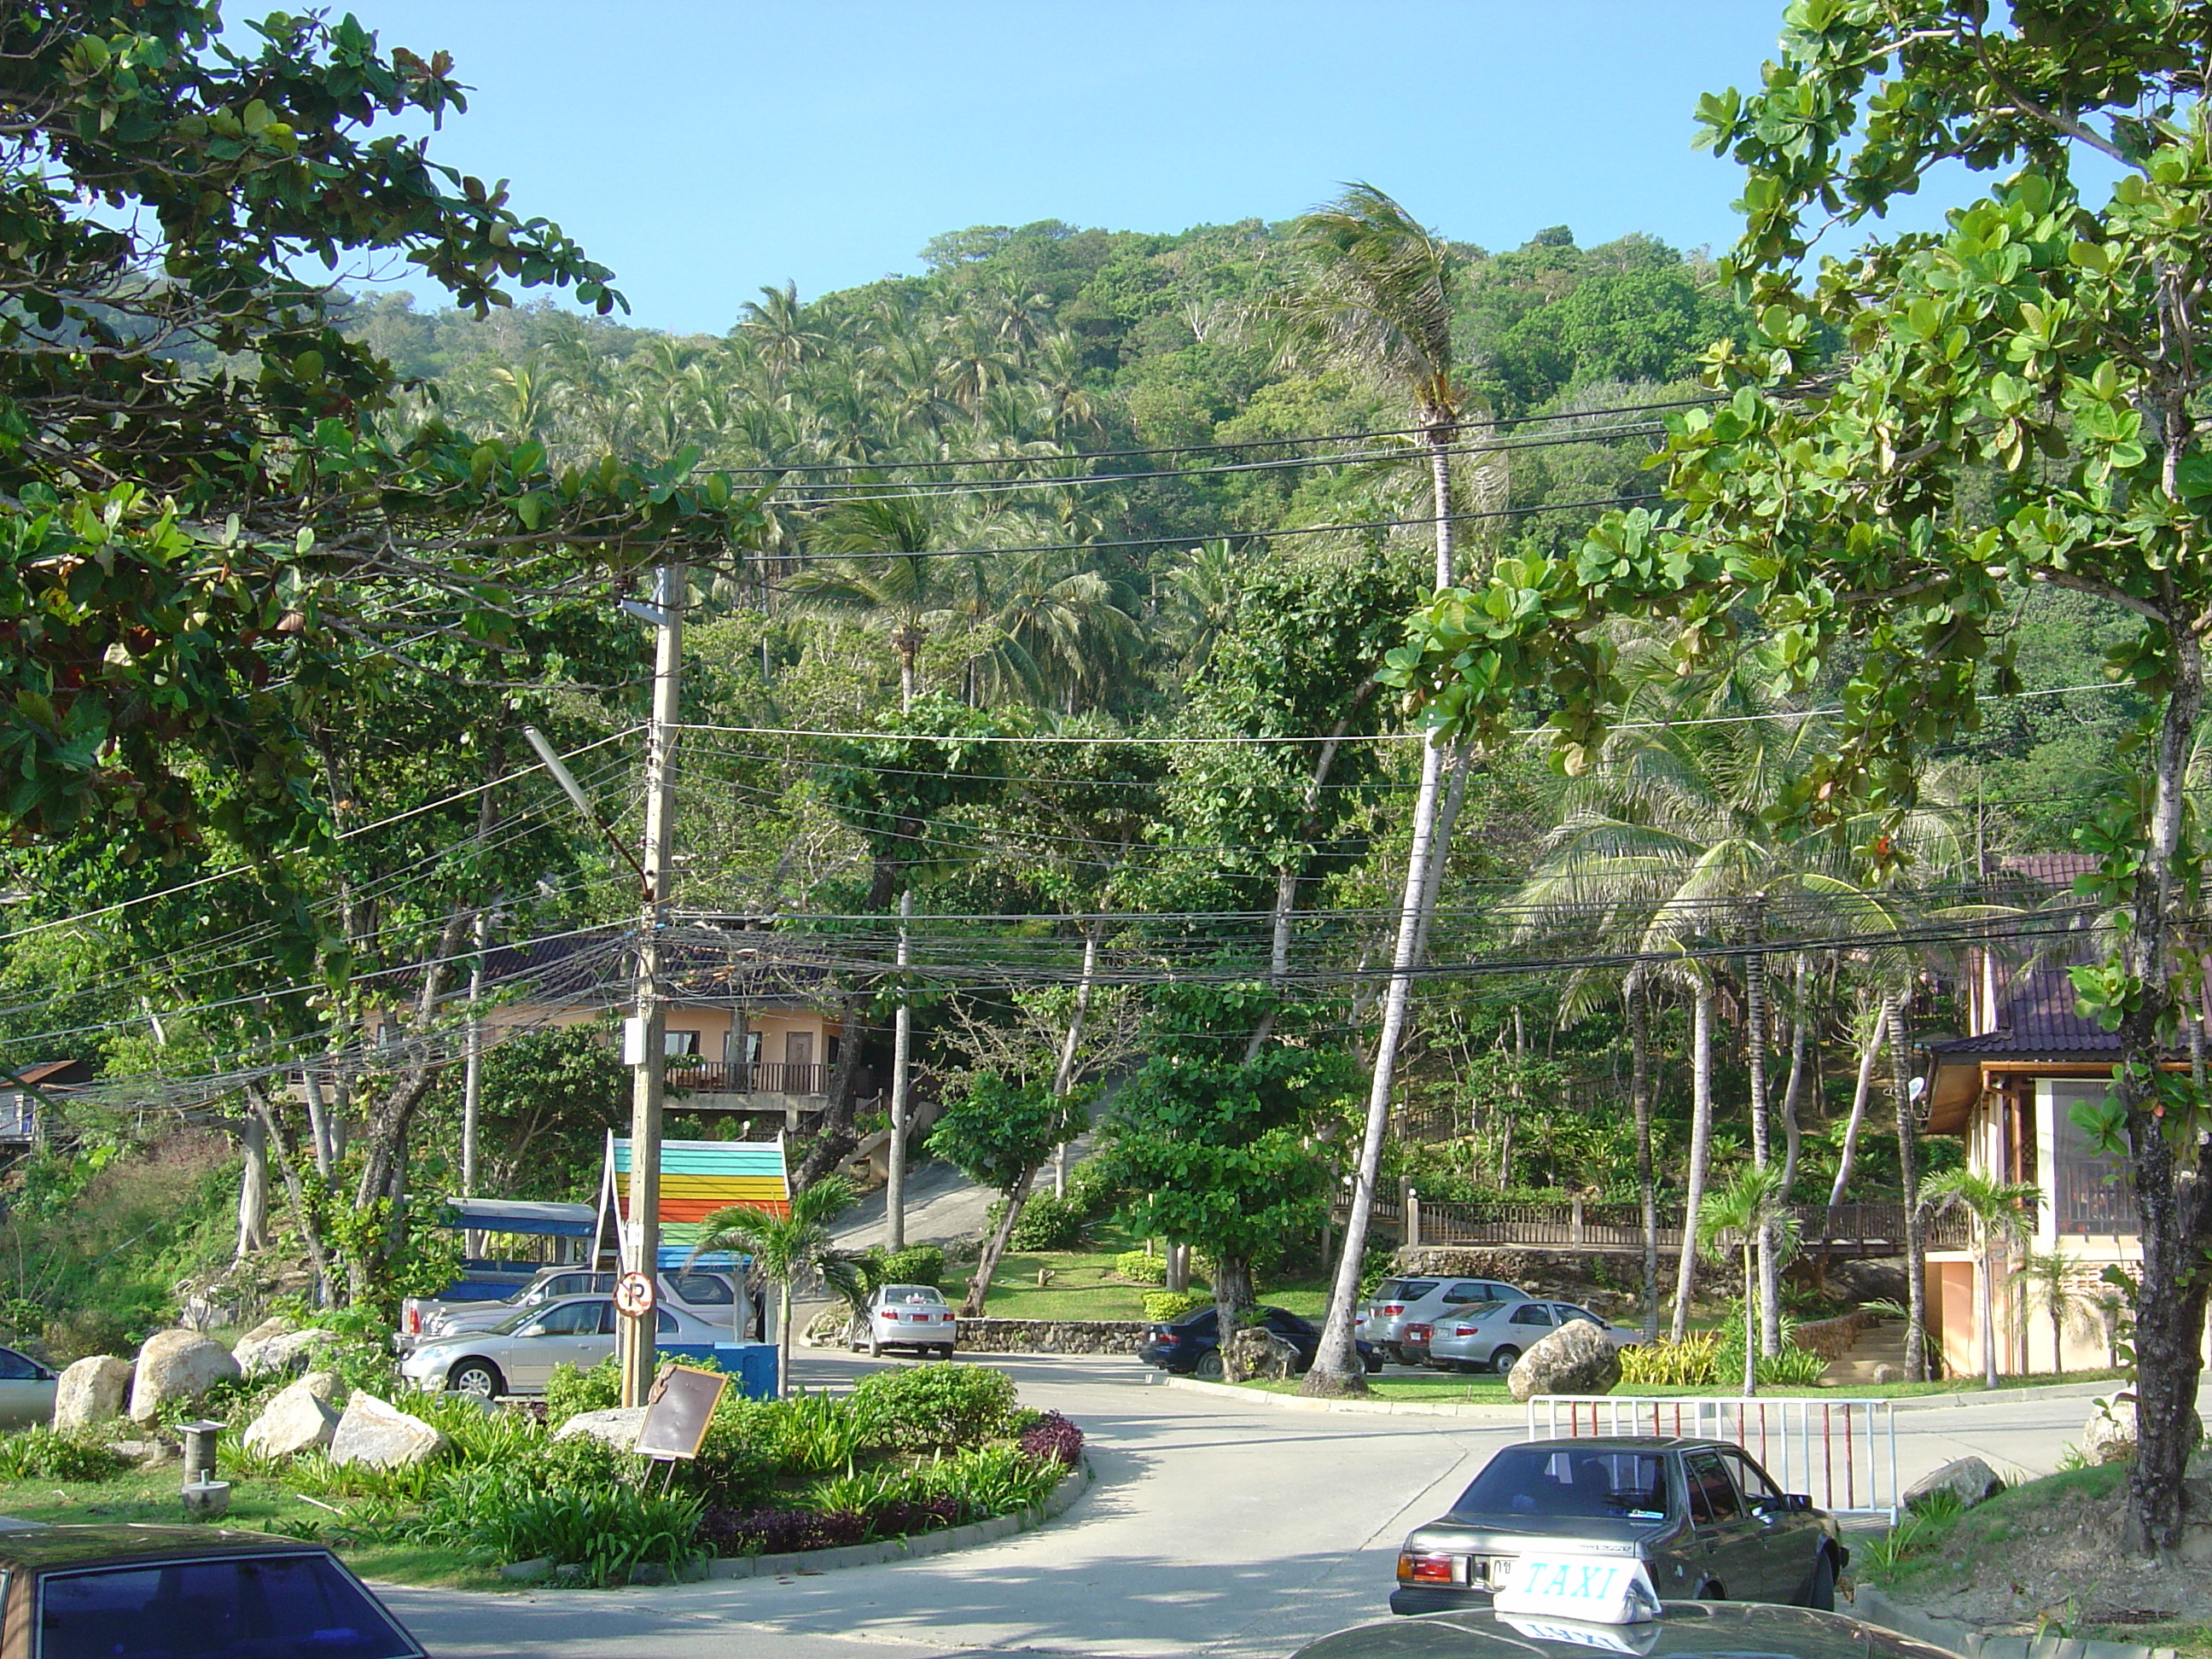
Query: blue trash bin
[{"x": 751, "y": 1365}]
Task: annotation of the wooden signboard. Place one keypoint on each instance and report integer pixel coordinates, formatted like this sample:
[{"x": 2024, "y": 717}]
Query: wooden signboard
[{"x": 678, "y": 1410}]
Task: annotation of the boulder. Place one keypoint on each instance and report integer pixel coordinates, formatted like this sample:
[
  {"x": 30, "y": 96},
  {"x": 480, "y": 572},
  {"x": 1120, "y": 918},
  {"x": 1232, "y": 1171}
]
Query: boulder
[
  {"x": 177, "y": 1365},
  {"x": 1889, "y": 1374},
  {"x": 279, "y": 1351},
  {"x": 1257, "y": 1351},
  {"x": 91, "y": 1391},
  {"x": 377, "y": 1433},
  {"x": 2109, "y": 1436},
  {"x": 618, "y": 1426},
  {"x": 1578, "y": 1358},
  {"x": 1970, "y": 1479},
  {"x": 299, "y": 1419}
]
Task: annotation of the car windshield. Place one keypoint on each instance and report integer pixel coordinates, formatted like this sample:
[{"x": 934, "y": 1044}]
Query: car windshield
[
  {"x": 700, "y": 1290},
  {"x": 913, "y": 1293},
  {"x": 521, "y": 1317},
  {"x": 1404, "y": 1290},
  {"x": 1568, "y": 1481},
  {"x": 283, "y": 1607}
]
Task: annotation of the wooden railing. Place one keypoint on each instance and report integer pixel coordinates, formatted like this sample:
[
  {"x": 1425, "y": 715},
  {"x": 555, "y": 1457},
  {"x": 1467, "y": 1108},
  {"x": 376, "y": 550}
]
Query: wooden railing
[
  {"x": 759, "y": 1077},
  {"x": 1860, "y": 1229}
]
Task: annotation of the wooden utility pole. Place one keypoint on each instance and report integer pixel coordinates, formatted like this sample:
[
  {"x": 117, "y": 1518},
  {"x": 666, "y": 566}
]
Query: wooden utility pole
[
  {"x": 901, "y": 1065},
  {"x": 647, "y": 1048}
]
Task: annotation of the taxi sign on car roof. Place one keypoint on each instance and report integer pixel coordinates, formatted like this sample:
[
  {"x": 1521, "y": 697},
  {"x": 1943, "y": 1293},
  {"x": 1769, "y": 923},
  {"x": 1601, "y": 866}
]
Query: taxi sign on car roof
[{"x": 1591, "y": 1590}]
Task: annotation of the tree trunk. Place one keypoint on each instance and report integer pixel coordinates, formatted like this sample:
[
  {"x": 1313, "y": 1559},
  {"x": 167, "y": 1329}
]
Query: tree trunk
[
  {"x": 1336, "y": 1368},
  {"x": 318, "y": 1124},
  {"x": 1988, "y": 1287},
  {"x": 253, "y": 1186},
  {"x": 783, "y": 1338},
  {"x": 1762, "y": 1149},
  {"x": 1647, "y": 1191},
  {"x": 304, "y": 1220},
  {"x": 1063, "y": 1077},
  {"x": 902, "y": 1062},
  {"x": 1908, "y": 1170},
  {"x": 1793, "y": 1130},
  {"x": 1701, "y": 1148},
  {"x": 1750, "y": 1302},
  {"x": 1860, "y": 1095},
  {"x": 994, "y": 1246},
  {"x": 1232, "y": 1299}
]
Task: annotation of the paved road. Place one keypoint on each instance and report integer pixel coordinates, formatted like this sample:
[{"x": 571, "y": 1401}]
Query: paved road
[{"x": 1235, "y": 1529}]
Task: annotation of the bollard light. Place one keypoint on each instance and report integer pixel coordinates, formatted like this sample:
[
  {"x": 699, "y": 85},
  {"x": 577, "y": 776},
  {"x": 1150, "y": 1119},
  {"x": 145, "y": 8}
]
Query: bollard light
[{"x": 205, "y": 1497}]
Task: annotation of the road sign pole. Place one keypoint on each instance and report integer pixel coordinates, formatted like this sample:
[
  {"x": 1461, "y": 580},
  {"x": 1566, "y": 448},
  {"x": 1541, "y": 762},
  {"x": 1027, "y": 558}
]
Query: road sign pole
[{"x": 641, "y": 1243}]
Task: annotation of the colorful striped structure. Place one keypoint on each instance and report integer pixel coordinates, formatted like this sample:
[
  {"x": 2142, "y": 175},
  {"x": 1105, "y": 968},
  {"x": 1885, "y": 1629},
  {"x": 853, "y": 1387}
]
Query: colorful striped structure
[{"x": 698, "y": 1177}]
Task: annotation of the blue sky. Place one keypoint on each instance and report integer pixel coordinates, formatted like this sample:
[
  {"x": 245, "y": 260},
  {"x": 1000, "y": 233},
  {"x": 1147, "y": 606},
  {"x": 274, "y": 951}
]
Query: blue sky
[{"x": 705, "y": 149}]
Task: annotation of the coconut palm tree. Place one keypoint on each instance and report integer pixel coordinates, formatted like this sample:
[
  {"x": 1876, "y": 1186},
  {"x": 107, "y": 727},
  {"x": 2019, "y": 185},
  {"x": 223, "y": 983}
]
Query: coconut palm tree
[
  {"x": 1736, "y": 1215},
  {"x": 2001, "y": 1214},
  {"x": 1373, "y": 294},
  {"x": 879, "y": 573},
  {"x": 793, "y": 1248}
]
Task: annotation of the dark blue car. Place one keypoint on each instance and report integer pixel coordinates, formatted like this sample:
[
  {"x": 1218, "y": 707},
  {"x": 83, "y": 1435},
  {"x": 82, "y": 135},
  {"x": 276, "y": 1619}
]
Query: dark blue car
[{"x": 1191, "y": 1345}]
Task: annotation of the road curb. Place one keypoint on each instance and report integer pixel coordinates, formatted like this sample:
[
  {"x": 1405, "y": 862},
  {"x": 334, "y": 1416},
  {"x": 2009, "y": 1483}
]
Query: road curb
[
  {"x": 1299, "y": 1402},
  {"x": 1876, "y": 1608},
  {"x": 1056, "y": 1503}
]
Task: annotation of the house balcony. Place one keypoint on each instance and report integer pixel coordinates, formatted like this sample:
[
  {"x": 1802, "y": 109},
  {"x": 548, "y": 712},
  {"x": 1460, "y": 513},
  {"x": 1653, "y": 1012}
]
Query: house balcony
[{"x": 757, "y": 1086}]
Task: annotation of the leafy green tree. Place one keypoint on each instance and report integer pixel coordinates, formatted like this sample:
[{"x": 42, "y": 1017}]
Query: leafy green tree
[
  {"x": 2018, "y": 406},
  {"x": 1215, "y": 1139},
  {"x": 998, "y": 1134},
  {"x": 792, "y": 1250},
  {"x": 2001, "y": 1213}
]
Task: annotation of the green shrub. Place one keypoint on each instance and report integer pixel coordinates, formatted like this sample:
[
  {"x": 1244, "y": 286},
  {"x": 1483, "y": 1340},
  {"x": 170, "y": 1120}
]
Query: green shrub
[
  {"x": 814, "y": 1433},
  {"x": 1692, "y": 1363},
  {"x": 1089, "y": 1192},
  {"x": 1163, "y": 1307},
  {"x": 919, "y": 1408},
  {"x": 570, "y": 1391},
  {"x": 1048, "y": 1224},
  {"x": 492, "y": 1515},
  {"x": 973, "y": 1485},
  {"x": 1794, "y": 1368},
  {"x": 1141, "y": 1267},
  {"x": 40, "y": 1453},
  {"x": 919, "y": 1264}
]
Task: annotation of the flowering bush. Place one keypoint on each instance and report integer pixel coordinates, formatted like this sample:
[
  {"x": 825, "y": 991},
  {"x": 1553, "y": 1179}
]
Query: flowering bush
[{"x": 1052, "y": 1438}]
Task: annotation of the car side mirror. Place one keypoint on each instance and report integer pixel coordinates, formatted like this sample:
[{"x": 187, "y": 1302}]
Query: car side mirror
[
  {"x": 533, "y": 1330},
  {"x": 1796, "y": 1503}
]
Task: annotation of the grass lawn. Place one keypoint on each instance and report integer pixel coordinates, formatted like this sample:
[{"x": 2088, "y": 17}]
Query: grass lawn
[
  {"x": 151, "y": 1496},
  {"x": 1083, "y": 1286}
]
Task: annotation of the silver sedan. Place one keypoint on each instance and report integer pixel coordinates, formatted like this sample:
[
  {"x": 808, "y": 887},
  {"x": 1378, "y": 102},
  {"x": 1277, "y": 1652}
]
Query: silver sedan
[
  {"x": 908, "y": 1316},
  {"x": 518, "y": 1355},
  {"x": 1490, "y": 1337}
]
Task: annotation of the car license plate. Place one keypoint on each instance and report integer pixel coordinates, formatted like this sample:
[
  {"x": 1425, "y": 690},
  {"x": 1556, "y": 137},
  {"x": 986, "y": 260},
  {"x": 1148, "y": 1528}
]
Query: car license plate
[{"x": 1599, "y": 1590}]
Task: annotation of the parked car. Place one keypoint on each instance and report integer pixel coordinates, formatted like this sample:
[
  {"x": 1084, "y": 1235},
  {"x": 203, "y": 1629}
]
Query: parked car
[
  {"x": 26, "y": 1390},
  {"x": 1682, "y": 1630},
  {"x": 1489, "y": 1338},
  {"x": 1706, "y": 1521},
  {"x": 1191, "y": 1345},
  {"x": 1427, "y": 1300},
  {"x": 76, "y": 1592},
  {"x": 518, "y": 1355},
  {"x": 708, "y": 1297},
  {"x": 907, "y": 1316}
]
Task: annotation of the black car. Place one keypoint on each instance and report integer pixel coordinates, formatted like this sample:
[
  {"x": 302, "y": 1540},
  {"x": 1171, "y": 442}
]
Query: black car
[
  {"x": 1706, "y": 1521},
  {"x": 90, "y": 1592},
  {"x": 1191, "y": 1345},
  {"x": 1683, "y": 1629}
]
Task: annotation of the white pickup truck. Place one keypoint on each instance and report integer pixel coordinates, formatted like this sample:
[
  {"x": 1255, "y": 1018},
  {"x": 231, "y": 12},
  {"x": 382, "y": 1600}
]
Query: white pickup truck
[{"x": 709, "y": 1297}]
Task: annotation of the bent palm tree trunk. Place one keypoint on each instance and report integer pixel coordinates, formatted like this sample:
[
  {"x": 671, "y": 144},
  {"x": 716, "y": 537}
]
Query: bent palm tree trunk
[
  {"x": 1701, "y": 1148},
  {"x": 1860, "y": 1095},
  {"x": 1908, "y": 1171},
  {"x": 1647, "y": 1192}
]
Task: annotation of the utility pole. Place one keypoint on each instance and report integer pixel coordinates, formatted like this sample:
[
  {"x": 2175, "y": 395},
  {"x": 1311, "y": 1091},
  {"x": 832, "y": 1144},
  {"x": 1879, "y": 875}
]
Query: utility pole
[
  {"x": 472, "y": 1063},
  {"x": 641, "y": 1244},
  {"x": 902, "y": 1053}
]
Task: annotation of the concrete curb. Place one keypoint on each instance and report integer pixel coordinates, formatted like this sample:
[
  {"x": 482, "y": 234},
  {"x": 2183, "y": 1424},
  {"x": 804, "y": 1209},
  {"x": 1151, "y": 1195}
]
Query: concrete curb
[
  {"x": 1056, "y": 1503},
  {"x": 1479, "y": 1408},
  {"x": 1299, "y": 1402},
  {"x": 1876, "y": 1608}
]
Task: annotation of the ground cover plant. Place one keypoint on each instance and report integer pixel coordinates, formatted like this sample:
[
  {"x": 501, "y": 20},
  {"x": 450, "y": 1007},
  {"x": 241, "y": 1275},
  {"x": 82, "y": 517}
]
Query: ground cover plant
[{"x": 908, "y": 1450}]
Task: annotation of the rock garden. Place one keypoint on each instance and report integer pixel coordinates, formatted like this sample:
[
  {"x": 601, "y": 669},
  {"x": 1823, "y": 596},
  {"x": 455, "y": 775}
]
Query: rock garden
[{"x": 317, "y": 1441}]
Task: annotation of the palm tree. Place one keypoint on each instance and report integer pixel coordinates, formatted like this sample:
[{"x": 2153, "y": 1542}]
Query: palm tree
[
  {"x": 2046, "y": 1285},
  {"x": 1735, "y": 1215},
  {"x": 790, "y": 1249},
  {"x": 880, "y": 573},
  {"x": 1374, "y": 295},
  {"x": 782, "y": 335},
  {"x": 2000, "y": 1213}
]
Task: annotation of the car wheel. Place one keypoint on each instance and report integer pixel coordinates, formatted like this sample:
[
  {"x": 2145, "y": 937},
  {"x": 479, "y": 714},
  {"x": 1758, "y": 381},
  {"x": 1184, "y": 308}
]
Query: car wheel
[
  {"x": 1208, "y": 1368},
  {"x": 1502, "y": 1358},
  {"x": 1395, "y": 1354},
  {"x": 477, "y": 1377},
  {"x": 945, "y": 1351},
  {"x": 1821, "y": 1598},
  {"x": 1373, "y": 1362},
  {"x": 875, "y": 1346}
]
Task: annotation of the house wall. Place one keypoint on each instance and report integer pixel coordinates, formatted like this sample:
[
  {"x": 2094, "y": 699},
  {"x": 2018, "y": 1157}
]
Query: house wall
[{"x": 713, "y": 1027}]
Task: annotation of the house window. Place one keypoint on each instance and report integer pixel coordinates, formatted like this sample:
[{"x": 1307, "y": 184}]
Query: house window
[
  {"x": 673, "y": 1043},
  {"x": 2090, "y": 1192}
]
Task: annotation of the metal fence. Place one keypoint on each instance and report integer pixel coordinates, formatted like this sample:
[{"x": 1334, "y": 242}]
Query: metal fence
[
  {"x": 1841, "y": 1452},
  {"x": 1580, "y": 1223}
]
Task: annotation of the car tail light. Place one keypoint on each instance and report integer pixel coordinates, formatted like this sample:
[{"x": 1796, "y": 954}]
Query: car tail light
[
  {"x": 1431, "y": 1569},
  {"x": 413, "y": 1321},
  {"x": 1391, "y": 1309},
  {"x": 1466, "y": 1330}
]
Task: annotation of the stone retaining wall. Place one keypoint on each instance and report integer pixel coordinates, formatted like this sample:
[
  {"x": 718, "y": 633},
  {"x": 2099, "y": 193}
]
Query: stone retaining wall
[
  {"x": 1832, "y": 1338},
  {"x": 1052, "y": 1335}
]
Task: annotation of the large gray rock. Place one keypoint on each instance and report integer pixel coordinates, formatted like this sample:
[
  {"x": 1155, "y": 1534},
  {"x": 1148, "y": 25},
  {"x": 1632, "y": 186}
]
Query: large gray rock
[
  {"x": 378, "y": 1433},
  {"x": 91, "y": 1391},
  {"x": 1972, "y": 1480},
  {"x": 279, "y": 1351},
  {"x": 1578, "y": 1358},
  {"x": 2109, "y": 1436},
  {"x": 177, "y": 1365},
  {"x": 618, "y": 1426},
  {"x": 299, "y": 1419},
  {"x": 1257, "y": 1351}
]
